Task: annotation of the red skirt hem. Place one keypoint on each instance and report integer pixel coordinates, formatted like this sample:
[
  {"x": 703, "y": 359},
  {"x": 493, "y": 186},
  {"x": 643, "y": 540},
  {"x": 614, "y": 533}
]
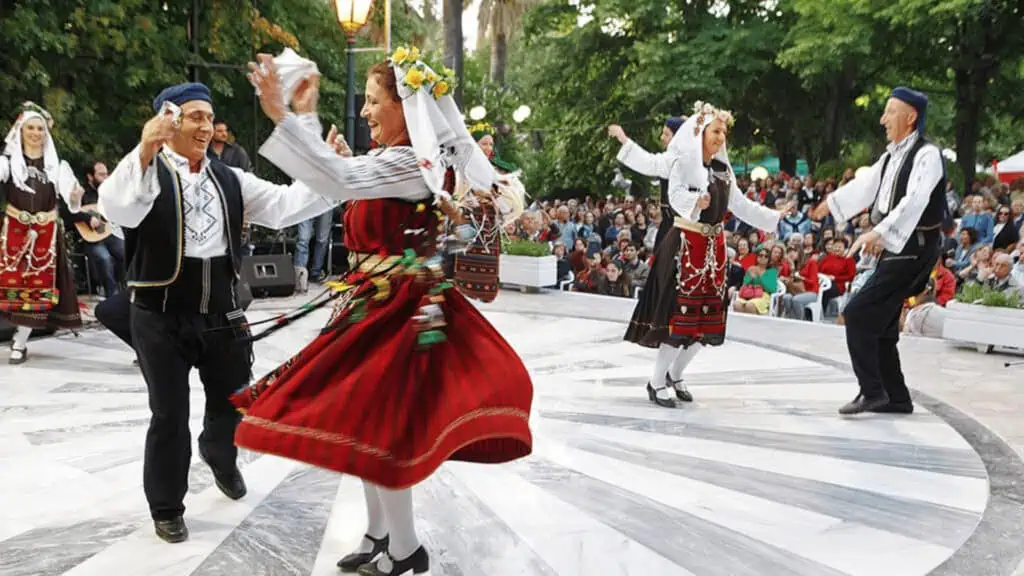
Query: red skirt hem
[{"x": 471, "y": 439}]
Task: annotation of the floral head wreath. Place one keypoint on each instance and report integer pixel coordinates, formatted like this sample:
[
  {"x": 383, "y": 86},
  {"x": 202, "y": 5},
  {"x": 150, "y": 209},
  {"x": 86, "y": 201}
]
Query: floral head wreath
[
  {"x": 418, "y": 74},
  {"x": 29, "y": 106},
  {"x": 706, "y": 112},
  {"x": 481, "y": 128}
]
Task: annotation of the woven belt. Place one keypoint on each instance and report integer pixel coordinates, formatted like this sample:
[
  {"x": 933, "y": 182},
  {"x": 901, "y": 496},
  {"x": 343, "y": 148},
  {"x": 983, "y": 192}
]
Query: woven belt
[
  {"x": 39, "y": 218},
  {"x": 698, "y": 227},
  {"x": 375, "y": 263},
  {"x": 927, "y": 228}
]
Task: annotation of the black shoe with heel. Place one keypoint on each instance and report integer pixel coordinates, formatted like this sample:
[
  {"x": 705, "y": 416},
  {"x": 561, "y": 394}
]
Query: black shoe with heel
[
  {"x": 684, "y": 394},
  {"x": 172, "y": 531},
  {"x": 652, "y": 394},
  {"x": 416, "y": 563},
  {"x": 230, "y": 482},
  {"x": 355, "y": 560}
]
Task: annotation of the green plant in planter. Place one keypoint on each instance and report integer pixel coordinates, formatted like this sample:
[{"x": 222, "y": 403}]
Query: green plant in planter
[
  {"x": 974, "y": 293},
  {"x": 526, "y": 248}
]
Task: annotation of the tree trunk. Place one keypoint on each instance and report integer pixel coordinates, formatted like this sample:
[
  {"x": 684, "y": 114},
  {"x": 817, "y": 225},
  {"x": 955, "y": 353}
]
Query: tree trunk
[
  {"x": 453, "y": 40},
  {"x": 970, "y": 91},
  {"x": 840, "y": 98},
  {"x": 499, "y": 57}
]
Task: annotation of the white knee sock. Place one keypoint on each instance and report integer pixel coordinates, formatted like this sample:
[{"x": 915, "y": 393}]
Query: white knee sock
[
  {"x": 20, "y": 340},
  {"x": 376, "y": 524},
  {"x": 398, "y": 511},
  {"x": 682, "y": 360},
  {"x": 664, "y": 359}
]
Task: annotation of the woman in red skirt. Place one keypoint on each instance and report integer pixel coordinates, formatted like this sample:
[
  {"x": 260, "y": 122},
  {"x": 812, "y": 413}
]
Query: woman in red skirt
[
  {"x": 682, "y": 305},
  {"x": 407, "y": 374}
]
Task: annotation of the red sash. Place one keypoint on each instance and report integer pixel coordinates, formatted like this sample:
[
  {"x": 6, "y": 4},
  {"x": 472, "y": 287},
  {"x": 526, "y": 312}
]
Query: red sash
[{"x": 28, "y": 261}]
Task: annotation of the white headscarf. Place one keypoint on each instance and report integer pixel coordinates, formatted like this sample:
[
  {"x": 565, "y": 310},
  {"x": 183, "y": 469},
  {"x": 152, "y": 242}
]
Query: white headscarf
[
  {"x": 440, "y": 137},
  {"x": 688, "y": 147},
  {"x": 16, "y": 155}
]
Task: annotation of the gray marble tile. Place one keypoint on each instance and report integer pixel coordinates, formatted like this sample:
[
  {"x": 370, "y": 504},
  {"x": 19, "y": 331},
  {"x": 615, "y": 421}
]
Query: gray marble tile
[
  {"x": 572, "y": 367},
  {"x": 89, "y": 387},
  {"x": 34, "y": 410},
  {"x": 465, "y": 537},
  {"x": 120, "y": 366},
  {"x": 53, "y": 550},
  {"x": 282, "y": 536},
  {"x": 58, "y": 435},
  {"x": 929, "y": 458},
  {"x": 697, "y": 545},
  {"x": 923, "y": 521}
]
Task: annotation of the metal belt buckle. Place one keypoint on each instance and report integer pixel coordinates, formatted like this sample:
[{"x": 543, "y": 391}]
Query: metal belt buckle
[{"x": 24, "y": 218}]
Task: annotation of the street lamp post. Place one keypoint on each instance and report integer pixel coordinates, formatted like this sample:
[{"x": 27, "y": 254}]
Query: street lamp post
[{"x": 352, "y": 16}]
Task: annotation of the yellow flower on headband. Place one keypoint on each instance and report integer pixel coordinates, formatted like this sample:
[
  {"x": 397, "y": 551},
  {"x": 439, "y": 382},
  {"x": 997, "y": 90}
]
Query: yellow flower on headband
[
  {"x": 440, "y": 89},
  {"x": 431, "y": 77},
  {"x": 414, "y": 78},
  {"x": 414, "y": 54},
  {"x": 399, "y": 56}
]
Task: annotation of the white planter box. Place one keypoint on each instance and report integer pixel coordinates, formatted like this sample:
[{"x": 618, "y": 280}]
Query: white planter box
[
  {"x": 984, "y": 326},
  {"x": 528, "y": 271}
]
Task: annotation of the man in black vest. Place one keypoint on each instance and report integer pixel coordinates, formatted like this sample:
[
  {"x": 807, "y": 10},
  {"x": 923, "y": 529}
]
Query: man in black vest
[
  {"x": 182, "y": 213},
  {"x": 906, "y": 192}
]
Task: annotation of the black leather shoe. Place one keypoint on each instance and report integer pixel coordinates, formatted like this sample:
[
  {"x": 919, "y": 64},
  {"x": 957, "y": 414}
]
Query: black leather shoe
[
  {"x": 652, "y": 394},
  {"x": 353, "y": 561},
  {"x": 684, "y": 394},
  {"x": 863, "y": 404},
  {"x": 173, "y": 531},
  {"x": 230, "y": 483},
  {"x": 895, "y": 408},
  {"x": 417, "y": 563}
]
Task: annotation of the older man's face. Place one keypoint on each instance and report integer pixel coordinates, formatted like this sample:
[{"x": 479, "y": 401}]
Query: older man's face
[
  {"x": 196, "y": 130},
  {"x": 1001, "y": 268}
]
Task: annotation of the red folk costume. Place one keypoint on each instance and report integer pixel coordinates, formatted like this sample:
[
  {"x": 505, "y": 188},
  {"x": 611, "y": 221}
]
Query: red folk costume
[
  {"x": 407, "y": 374},
  {"x": 37, "y": 285}
]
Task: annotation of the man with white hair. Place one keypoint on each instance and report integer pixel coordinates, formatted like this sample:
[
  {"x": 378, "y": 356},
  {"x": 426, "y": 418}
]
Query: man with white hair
[
  {"x": 1001, "y": 278},
  {"x": 906, "y": 193}
]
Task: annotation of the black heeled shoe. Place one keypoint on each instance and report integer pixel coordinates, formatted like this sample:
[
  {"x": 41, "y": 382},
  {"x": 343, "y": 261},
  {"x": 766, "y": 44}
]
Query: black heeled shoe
[
  {"x": 355, "y": 560},
  {"x": 652, "y": 394},
  {"x": 684, "y": 394},
  {"x": 417, "y": 563}
]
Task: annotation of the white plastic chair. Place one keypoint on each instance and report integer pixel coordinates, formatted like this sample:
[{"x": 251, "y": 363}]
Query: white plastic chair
[
  {"x": 816, "y": 308},
  {"x": 776, "y": 300},
  {"x": 567, "y": 283}
]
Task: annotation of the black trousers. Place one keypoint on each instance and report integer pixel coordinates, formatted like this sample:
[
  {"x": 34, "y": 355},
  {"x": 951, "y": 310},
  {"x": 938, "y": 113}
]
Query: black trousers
[
  {"x": 873, "y": 316},
  {"x": 169, "y": 345},
  {"x": 114, "y": 313}
]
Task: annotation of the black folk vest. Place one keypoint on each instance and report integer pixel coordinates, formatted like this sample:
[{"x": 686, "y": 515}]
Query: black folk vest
[
  {"x": 935, "y": 212},
  {"x": 155, "y": 249}
]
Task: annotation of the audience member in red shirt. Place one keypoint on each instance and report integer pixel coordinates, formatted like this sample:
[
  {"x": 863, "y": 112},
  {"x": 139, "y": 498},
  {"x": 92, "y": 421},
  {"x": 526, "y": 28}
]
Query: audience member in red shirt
[
  {"x": 777, "y": 260},
  {"x": 945, "y": 283},
  {"x": 744, "y": 256},
  {"x": 839, "y": 267}
]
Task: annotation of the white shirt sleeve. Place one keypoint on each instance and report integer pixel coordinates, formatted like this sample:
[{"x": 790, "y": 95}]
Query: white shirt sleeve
[
  {"x": 636, "y": 158},
  {"x": 682, "y": 199},
  {"x": 66, "y": 184},
  {"x": 5, "y": 168},
  {"x": 127, "y": 195},
  {"x": 856, "y": 195},
  {"x": 303, "y": 155},
  {"x": 278, "y": 206},
  {"x": 898, "y": 225},
  {"x": 751, "y": 212}
]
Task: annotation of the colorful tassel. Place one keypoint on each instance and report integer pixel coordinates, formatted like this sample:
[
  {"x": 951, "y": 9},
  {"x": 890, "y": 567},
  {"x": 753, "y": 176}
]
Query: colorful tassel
[{"x": 430, "y": 337}]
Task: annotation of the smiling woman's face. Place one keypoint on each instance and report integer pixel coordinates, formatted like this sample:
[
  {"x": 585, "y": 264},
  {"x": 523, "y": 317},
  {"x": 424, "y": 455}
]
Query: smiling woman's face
[{"x": 383, "y": 111}]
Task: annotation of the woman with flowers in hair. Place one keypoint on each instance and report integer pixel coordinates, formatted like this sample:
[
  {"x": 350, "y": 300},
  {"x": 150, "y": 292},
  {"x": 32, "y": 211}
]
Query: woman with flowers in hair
[
  {"x": 484, "y": 213},
  {"x": 682, "y": 306},
  {"x": 38, "y": 284},
  {"x": 407, "y": 374}
]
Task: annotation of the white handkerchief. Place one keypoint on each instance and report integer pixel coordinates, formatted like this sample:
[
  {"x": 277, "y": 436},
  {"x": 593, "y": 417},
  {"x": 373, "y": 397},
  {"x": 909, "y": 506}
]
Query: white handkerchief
[{"x": 293, "y": 69}]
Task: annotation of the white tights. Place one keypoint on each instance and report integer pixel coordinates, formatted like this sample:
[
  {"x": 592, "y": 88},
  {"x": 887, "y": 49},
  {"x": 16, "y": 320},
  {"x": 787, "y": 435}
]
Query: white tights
[
  {"x": 20, "y": 340},
  {"x": 682, "y": 360},
  {"x": 672, "y": 361},
  {"x": 389, "y": 512}
]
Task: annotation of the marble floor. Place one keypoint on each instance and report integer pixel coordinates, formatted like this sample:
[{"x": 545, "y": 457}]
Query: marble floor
[{"x": 758, "y": 477}]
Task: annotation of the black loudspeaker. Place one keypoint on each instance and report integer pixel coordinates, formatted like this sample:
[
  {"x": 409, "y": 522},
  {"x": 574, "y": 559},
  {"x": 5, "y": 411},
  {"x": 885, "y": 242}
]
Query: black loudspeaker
[
  {"x": 269, "y": 275},
  {"x": 244, "y": 294},
  {"x": 362, "y": 143}
]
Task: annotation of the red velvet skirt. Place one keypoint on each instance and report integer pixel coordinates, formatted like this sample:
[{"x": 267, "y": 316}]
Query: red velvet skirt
[
  {"x": 700, "y": 310},
  {"x": 368, "y": 398}
]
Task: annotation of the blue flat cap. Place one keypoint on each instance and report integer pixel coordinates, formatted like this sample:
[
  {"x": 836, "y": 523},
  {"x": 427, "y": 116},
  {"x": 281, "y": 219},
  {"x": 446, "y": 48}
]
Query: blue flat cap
[
  {"x": 183, "y": 93},
  {"x": 674, "y": 123},
  {"x": 917, "y": 100}
]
